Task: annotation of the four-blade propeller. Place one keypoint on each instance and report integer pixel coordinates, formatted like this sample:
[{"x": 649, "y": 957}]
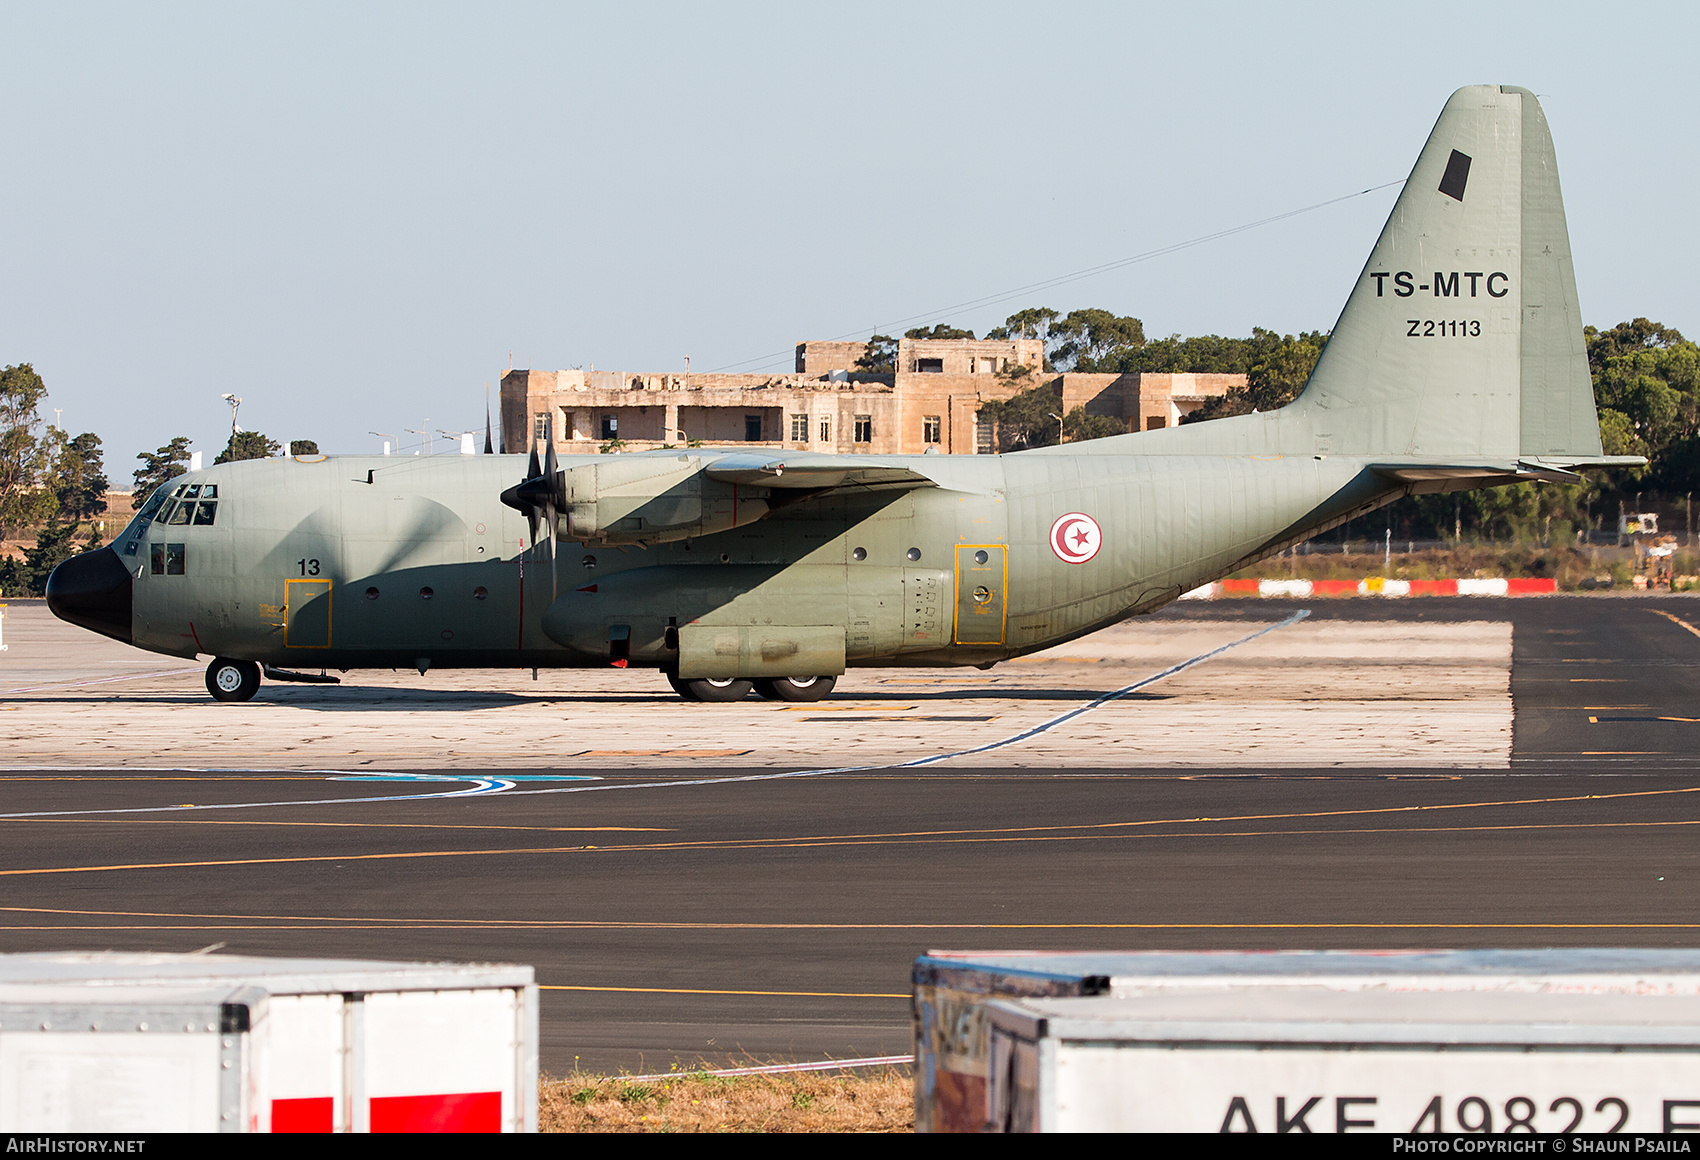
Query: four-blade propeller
[{"x": 540, "y": 497}]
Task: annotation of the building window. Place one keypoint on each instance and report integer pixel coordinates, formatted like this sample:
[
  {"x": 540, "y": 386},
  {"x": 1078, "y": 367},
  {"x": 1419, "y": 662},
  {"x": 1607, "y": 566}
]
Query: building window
[
  {"x": 983, "y": 431},
  {"x": 931, "y": 429},
  {"x": 930, "y": 366},
  {"x": 752, "y": 428},
  {"x": 799, "y": 428},
  {"x": 610, "y": 427},
  {"x": 864, "y": 429},
  {"x": 826, "y": 430},
  {"x": 540, "y": 428},
  {"x": 1156, "y": 422}
]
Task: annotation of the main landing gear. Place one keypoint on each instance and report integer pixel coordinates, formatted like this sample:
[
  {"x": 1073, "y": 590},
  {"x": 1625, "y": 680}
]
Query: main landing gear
[
  {"x": 229, "y": 680},
  {"x": 724, "y": 689}
]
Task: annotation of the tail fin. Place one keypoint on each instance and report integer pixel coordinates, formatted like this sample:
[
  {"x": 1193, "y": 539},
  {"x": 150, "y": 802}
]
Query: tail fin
[{"x": 1462, "y": 338}]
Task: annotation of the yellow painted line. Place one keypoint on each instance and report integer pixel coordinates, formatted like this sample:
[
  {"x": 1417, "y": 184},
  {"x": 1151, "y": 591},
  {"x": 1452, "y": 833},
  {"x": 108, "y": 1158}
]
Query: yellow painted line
[
  {"x": 999, "y": 834},
  {"x": 1675, "y": 620},
  {"x": 701, "y": 991},
  {"x": 1599, "y": 680}
]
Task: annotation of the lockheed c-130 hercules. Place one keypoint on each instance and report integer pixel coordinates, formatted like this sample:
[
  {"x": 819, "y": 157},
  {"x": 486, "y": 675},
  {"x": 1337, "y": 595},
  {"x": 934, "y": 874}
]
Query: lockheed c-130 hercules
[{"x": 1457, "y": 363}]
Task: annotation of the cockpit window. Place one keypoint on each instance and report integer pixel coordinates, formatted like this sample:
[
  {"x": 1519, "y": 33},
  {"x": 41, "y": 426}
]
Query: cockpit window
[
  {"x": 182, "y": 508},
  {"x": 133, "y": 533}
]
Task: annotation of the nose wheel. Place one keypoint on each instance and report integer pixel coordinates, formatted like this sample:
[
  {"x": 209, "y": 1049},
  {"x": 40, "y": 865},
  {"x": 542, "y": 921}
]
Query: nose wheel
[{"x": 229, "y": 680}]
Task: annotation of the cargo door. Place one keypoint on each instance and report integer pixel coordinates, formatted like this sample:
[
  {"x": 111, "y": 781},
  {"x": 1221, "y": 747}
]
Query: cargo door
[{"x": 982, "y": 581}]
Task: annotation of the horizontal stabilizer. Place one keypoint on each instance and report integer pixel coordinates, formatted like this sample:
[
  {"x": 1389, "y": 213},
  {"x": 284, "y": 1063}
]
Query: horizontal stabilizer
[
  {"x": 813, "y": 472},
  {"x": 1459, "y": 476}
]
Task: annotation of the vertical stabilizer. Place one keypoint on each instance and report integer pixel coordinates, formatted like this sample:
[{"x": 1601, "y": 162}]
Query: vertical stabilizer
[{"x": 1462, "y": 338}]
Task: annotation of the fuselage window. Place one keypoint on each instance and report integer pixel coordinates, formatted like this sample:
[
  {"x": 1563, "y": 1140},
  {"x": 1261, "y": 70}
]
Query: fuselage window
[
  {"x": 181, "y": 512},
  {"x": 166, "y": 559},
  {"x": 205, "y": 513}
]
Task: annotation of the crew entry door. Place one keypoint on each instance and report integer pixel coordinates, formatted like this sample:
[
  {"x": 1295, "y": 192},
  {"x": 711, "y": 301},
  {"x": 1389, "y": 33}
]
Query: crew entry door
[
  {"x": 982, "y": 577},
  {"x": 307, "y": 608}
]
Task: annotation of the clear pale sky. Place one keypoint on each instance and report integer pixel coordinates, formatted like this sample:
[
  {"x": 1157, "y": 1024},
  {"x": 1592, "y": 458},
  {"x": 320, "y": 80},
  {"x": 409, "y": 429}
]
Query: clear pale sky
[{"x": 350, "y": 214}]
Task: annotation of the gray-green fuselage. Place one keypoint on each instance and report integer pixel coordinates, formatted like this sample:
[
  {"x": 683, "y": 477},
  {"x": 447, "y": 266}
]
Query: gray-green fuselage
[{"x": 310, "y": 565}]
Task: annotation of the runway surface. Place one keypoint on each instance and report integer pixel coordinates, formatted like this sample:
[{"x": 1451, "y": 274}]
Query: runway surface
[{"x": 1442, "y": 772}]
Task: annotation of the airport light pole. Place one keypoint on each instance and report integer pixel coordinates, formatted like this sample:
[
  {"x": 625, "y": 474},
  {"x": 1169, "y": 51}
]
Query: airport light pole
[
  {"x": 235, "y": 403},
  {"x": 386, "y": 437}
]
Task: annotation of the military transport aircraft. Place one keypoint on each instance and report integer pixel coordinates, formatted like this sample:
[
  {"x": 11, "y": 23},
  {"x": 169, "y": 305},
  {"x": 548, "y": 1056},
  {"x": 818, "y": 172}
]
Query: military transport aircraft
[{"x": 1457, "y": 363}]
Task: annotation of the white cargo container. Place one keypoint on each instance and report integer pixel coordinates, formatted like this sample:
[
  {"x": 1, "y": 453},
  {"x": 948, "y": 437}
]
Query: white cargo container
[
  {"x": 318, "y": 1044},
  {"x": 952, "y": 990},
  {"x": 1286, "y": 1059}
]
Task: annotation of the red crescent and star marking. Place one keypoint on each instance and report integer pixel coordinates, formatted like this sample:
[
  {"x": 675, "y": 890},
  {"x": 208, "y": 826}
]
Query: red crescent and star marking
[{"x": 1076, "y": 538}]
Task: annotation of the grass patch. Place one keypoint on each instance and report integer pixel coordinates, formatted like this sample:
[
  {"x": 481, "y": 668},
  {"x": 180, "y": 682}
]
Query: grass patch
[{"x": 881, "y": 1100}]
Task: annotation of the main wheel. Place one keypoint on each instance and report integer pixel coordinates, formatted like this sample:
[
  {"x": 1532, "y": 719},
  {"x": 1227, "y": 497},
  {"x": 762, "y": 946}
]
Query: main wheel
[
  {"x": 796, "y": 688},
  {"x": 683, "y": 688},
  {"x": 718, "y": 689},
  {"x": 229, "y": 680}
]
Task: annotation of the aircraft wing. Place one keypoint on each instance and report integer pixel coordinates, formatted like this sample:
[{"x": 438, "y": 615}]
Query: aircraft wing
[{"x": 809, "y": 471}]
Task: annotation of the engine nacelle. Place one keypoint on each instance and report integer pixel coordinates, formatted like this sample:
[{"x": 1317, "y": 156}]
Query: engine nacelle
[{"x": 650, "y": 500}]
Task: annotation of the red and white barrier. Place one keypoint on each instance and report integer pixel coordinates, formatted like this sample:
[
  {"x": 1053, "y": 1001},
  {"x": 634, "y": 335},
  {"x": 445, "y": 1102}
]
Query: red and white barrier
[{"x": 1374, "y": 586}]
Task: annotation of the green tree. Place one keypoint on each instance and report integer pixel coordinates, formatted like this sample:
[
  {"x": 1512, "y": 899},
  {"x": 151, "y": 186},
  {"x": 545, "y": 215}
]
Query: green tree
[
  {"x": 303, "y": 447},
  {"x": 23, "y": 455},
  {"x": 1033, "y": 322},
  {"x": 881, "y": 356},
  {"x": 77, "y": 475},
  {"x": 54, "y": 544},
  {"x": 248, "y": 445},
  {"x": 1094, "y": 340},
  {"x": 940, "y": 330},
  {"x": 1028, "y": 418},
  {"x": 168, "y": 462},
  {"x": 1276, "y": 369}
]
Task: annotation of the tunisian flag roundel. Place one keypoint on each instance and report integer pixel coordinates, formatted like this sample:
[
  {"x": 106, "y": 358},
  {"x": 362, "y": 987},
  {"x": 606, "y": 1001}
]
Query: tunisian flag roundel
[{"x": 1076, "y": 538}]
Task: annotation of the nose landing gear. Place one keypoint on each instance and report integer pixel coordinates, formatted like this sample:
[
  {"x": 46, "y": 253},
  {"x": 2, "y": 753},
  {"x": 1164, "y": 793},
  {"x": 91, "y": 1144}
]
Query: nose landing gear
[{"x": 229, "y": 680}]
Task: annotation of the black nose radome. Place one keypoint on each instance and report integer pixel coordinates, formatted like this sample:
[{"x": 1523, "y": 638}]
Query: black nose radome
[{"x": 93, "y": 590}]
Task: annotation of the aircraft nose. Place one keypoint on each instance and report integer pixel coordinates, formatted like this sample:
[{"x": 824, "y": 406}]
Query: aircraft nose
[{"x": 93, "y": 590}]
